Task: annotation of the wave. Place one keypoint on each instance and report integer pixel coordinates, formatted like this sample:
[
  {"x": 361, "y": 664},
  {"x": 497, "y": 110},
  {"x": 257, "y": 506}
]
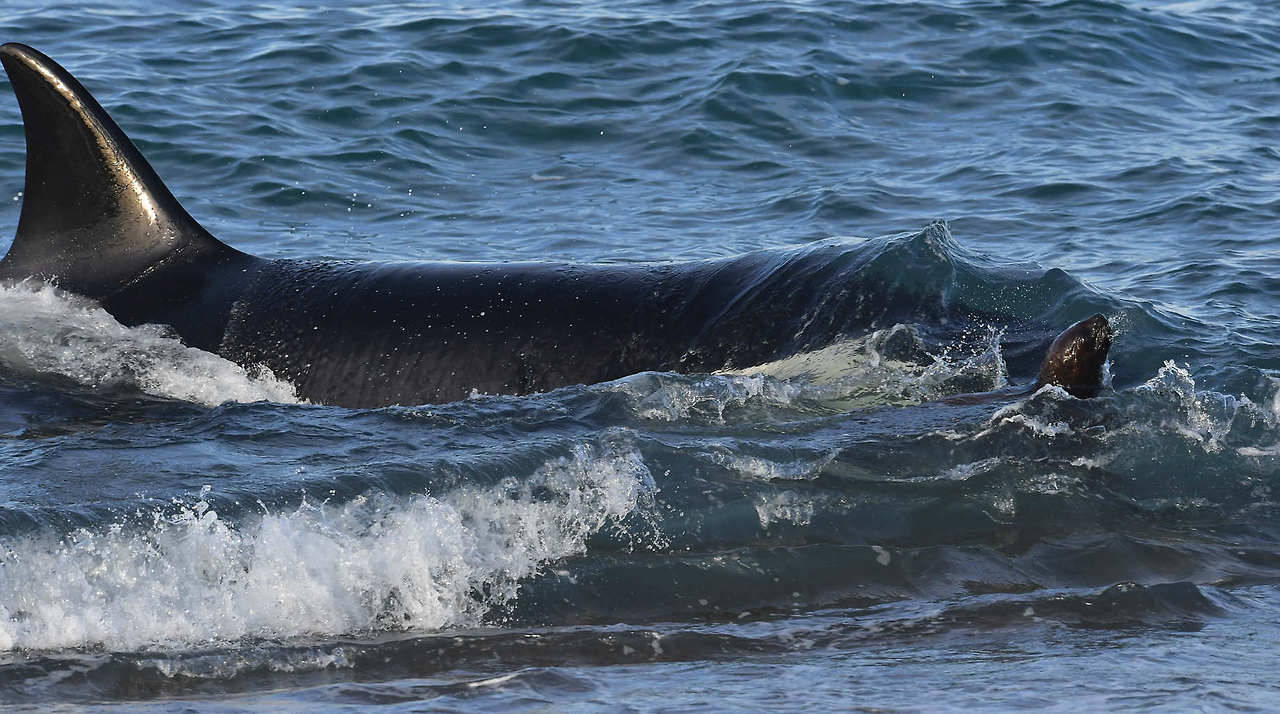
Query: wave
[
  {"x": 429, "y": 519},
  {"x": 180, "y": 575},
  {"x": 461, "y": 664}
]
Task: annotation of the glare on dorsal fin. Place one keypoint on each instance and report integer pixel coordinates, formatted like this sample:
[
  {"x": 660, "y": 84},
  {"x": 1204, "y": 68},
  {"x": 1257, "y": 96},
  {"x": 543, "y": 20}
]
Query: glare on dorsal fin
[{"x": 95, "y": 216}]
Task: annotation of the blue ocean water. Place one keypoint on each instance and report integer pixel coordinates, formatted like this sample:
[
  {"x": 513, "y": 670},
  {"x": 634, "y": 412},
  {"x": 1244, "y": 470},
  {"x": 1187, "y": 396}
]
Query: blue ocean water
[{"x": 826, "y": 532}]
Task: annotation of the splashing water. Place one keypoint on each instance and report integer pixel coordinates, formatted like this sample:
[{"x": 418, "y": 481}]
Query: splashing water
[{"x": 44, "y": 331}]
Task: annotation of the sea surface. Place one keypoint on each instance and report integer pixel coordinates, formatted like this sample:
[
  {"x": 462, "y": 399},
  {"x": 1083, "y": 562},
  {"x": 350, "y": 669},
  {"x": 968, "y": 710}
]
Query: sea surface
[{"x": 836, "y": 531}]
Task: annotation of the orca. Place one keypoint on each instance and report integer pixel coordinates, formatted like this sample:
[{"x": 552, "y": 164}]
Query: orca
[{"x": 97, "y": 221}]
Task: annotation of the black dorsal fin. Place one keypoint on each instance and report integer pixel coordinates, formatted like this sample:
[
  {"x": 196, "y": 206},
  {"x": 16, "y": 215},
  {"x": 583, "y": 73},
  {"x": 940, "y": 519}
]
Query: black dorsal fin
[{"x": 95, "y": 216}]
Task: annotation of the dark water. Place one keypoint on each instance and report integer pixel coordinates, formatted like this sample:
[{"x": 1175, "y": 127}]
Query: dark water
[{"x": 823, "y": 533}]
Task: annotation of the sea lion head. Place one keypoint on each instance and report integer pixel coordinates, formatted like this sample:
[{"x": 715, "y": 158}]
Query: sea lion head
[{"x": 1075, "y": 359}]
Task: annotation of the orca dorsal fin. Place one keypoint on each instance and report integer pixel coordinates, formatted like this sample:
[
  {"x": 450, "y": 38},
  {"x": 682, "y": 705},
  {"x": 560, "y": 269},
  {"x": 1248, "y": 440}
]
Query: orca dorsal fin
[{"x": 95, "y": 216}]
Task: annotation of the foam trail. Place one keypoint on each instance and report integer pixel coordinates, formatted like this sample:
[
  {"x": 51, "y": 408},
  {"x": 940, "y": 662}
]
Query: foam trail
[
  {"x": 46, "y": 331},
  {"x": 889, "y": 366}
]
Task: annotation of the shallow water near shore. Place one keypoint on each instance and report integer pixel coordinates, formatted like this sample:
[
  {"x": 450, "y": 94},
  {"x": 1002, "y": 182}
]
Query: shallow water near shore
[{"x": 830, "y": 531}]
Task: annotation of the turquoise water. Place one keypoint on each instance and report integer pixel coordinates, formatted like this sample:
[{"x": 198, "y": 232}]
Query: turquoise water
[{"x": 825, "y": 533}]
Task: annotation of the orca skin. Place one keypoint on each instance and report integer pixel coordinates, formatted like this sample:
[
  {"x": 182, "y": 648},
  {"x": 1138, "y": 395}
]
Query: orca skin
[{"x": 97, "y": 221}]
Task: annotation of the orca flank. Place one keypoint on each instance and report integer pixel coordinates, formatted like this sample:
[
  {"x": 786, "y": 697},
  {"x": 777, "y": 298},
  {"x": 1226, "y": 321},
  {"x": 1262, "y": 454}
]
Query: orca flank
[{"x": 97, "y": 221}]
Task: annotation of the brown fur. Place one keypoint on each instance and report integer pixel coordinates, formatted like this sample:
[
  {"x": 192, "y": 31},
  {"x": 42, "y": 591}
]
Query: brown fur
[{"x": 1076, "y": 357}]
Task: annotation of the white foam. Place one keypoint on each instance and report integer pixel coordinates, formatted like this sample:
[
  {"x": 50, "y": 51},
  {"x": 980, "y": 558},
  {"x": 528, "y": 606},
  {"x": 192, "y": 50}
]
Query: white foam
[
  {"x": 1204, "y": 418},
  {"x": 1259, "y": 452},
  {"x": 966, "y": 471},
  {"x": 1037, "y": 427},
  {"x": 1013, "y": 415},
  {"x": 422, "y": 563},
  {"x": 889, "y": 366},
  {"x": 763, "y": 469},
  {"x": 659, "y": 398},
  {"x": 785, "y": 507},
  {"x": 883, "y": 556},
  {"x": 46, "y": 331}
]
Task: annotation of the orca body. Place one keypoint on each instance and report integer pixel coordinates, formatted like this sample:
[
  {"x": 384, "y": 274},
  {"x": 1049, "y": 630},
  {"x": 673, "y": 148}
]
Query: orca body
[{"x": 97, "y": 221}]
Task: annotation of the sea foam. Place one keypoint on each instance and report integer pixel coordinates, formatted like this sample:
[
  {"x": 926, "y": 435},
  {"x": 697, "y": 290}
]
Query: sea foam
[
  {"x": 184, "y": 575},
  {"x": 45, "y": 331}
]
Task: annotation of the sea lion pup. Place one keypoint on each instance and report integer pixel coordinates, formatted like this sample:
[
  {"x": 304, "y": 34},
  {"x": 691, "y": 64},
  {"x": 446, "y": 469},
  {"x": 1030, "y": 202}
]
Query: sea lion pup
[
  {"x": 1074, "y": 362},
  {"x": 1076, "y": 357}
]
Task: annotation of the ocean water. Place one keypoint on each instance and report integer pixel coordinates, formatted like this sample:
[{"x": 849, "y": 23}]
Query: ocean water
[{"x": 829, "y": 532}]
